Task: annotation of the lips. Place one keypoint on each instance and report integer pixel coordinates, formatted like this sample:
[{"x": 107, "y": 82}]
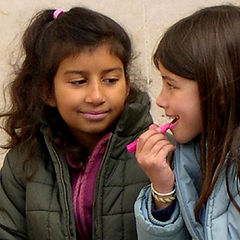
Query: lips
[{"x": 95, "y": 115}]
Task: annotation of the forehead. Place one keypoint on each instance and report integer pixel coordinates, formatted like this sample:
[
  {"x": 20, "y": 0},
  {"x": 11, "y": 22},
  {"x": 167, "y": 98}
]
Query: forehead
[{"x": 99, "y": 60}]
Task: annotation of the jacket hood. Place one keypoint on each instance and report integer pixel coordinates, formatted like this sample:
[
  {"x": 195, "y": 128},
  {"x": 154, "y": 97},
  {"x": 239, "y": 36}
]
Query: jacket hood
[{"x": 134, "y": 116}]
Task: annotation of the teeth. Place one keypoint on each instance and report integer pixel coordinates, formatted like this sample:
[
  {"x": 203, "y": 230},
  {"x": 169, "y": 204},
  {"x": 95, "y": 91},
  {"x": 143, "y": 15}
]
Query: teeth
[{"x": 173, "y": 117}]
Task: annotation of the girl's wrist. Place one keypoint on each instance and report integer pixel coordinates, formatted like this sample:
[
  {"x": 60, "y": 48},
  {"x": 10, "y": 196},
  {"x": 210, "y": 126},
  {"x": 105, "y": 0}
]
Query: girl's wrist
[
  {"x": 163, "y": 194},
  {"x": 164, "y": 199}
]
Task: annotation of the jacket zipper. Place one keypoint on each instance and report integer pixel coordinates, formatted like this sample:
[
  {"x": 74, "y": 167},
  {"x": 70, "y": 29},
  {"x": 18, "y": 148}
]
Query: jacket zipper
[
  {"x": 187, "y": 222},
  {"x": 65, "y": 193},
  {"x": 183, "y": 208},
  {"x": 96, "y": 189}
]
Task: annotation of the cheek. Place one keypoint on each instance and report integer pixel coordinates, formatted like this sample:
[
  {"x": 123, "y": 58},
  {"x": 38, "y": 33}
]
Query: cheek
[
  {"x": 188, "y": 108},
  {"x": 67, "y": 102},
  {"x": 66, "y": 94},
  {"x": 188, "y": 102},
  {"x": 119, "y": 96},
  {"x": 179, "y": 104},
  {"x": 189, "y": 125},
  {"x": 118, "y": 102},
  {"x": 190, "y": 114}
]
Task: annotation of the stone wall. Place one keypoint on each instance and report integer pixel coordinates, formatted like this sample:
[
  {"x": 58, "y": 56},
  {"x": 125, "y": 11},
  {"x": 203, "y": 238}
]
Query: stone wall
[{"x": 145, "y": 21}]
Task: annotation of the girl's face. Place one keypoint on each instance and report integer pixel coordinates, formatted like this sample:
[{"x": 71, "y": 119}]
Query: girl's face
[
  {"x": 179, "y": 98},
  {"x": 90, "y": 90}
]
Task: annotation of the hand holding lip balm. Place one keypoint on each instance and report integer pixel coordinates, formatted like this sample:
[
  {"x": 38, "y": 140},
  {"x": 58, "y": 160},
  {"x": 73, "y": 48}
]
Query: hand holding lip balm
[{"x": 131, "y": 147}]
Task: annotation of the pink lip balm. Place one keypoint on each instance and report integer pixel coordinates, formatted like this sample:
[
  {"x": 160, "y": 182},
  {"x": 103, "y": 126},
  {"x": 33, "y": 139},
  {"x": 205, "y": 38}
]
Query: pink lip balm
[{"x": 131, "y": 147}]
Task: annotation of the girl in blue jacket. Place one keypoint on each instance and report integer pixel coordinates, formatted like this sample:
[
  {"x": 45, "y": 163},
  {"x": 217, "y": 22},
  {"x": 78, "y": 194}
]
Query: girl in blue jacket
[
  {"x": 196, "y": 196},
  {"x": 68, "y": 174}
]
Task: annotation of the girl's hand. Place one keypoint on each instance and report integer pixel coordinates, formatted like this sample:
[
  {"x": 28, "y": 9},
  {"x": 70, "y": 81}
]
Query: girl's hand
[{"x": 151, "y": 153}]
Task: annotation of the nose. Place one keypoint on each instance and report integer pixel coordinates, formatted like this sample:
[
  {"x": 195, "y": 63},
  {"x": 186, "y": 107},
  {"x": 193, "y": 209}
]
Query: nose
[
  {"x": 95, "y": 94},
  {"x": 162, "y": 101}
]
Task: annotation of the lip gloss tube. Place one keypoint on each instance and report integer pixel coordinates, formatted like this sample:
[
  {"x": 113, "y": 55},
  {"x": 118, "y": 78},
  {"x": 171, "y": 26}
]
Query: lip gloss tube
[{"x": 131, "y": 147}]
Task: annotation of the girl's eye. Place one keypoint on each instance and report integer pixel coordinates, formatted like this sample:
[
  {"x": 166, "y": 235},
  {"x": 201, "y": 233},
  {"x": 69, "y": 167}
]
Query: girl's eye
[
  {"x": 78, "y": 82},
  {"x": 170, "y": 86},
  {"x": 110, "y": 80}
]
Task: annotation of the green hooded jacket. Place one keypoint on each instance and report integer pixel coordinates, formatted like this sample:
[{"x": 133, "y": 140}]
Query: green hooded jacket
[{"x": 41, "y": 208}]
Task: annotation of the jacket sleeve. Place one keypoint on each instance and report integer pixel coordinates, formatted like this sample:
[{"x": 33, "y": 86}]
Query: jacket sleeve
[
  {"x": 12, "y": 204},
  {"x": 152, "y": 229}
]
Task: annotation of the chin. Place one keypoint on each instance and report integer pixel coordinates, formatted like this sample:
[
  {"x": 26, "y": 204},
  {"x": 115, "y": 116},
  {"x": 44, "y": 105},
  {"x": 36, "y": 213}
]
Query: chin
[{"x": 182, "y": 139}]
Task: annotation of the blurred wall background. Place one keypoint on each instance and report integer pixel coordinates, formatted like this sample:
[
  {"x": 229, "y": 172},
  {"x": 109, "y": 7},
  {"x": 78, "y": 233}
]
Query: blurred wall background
[{"x": 145, "y": 21}]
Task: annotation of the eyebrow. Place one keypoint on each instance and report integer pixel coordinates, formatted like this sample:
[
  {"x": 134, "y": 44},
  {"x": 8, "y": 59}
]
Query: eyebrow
[
  {"x": 168, "y": 78},
  {"x": 112, "y": 70},
  {"x": 85, "y": 72}
]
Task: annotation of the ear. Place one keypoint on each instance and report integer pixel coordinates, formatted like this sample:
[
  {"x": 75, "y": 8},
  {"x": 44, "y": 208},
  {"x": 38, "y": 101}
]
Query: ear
[{"x": 48, "y": 96}]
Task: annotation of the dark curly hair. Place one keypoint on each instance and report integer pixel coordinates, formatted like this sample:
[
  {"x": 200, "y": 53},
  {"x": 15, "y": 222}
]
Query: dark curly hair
[{"x": 46, "y": 42}]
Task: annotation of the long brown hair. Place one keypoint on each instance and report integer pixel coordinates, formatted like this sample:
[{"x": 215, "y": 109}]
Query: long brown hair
[
  {"x": 205, "y": 47},
  {"x": 46, "y": 42}
]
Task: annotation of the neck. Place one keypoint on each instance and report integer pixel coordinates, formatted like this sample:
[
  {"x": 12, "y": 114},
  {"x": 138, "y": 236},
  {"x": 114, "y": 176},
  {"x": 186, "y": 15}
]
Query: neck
[{"x": 88, "y": 141}]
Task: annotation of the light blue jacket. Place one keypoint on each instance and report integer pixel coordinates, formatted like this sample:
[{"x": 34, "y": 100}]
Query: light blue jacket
[{"x": 220, "y": 218}]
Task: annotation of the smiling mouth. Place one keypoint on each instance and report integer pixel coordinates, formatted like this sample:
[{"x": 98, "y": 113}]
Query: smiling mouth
[
  {"x": 95, "y": 116},
  {"x": 174, "y": 121}
]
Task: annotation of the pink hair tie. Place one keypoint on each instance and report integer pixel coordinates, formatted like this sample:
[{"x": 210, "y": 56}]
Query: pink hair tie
[{"x": 57, "y": 12}]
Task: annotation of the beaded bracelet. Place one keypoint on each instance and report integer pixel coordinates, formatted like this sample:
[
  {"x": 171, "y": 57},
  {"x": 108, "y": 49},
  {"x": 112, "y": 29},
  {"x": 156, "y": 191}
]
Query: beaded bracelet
[
  {"x": 158, "y": 196},
  {"x": 163, "y": 194},
  {"x": 163, "y": 200}
]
